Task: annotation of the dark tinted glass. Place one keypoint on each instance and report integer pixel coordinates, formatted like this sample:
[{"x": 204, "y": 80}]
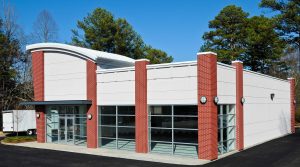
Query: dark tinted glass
[
  {"x": 108, "y": 142},
  {"x": 107, "y": 109},
  {"x": 126, "y": 110},
  {"x": 224, "y": 109},
  {"x": 108, "y": 120},
  {"x": 186, "y": 136},
  {"x": 126, "y": 120},
  {"x": 108, "y": 132},
  {"x": 161, "y": 110},
  {"x": 126, "y": 133},
  {"x": 186, "y": 122},
  {"x": 186, "y": 110},
  {"x": 165, "y": 122},
  {"x": 161, "y": 135}
]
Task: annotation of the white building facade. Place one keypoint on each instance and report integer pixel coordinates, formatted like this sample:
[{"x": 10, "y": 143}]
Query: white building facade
[{"x": 199, "y": 108}]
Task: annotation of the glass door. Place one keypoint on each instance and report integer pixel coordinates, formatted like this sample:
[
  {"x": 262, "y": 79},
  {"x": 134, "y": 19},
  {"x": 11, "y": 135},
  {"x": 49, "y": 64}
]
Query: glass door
[
  {"x": 62, "y": 130},
  {"x": 66, "y": 124},
  {"x": 66, "y": 130},
  {"x": 69, "y": 130}
]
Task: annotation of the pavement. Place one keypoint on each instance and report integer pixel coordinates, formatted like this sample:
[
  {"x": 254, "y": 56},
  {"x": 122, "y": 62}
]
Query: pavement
[
  {"x": 282, "y": 152},
  {"x": 168, "y": 159}
]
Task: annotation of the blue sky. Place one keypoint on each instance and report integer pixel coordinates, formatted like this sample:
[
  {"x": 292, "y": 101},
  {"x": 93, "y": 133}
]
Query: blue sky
[{"x": 175, "y": 26}]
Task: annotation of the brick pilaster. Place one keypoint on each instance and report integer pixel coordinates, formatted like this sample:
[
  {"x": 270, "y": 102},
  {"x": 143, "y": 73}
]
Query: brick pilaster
[
  {"x": 239, "y": 106},
  {"x": 207, "y": 113},
  {"x": 40, "y": 124},
  {"x": 38, "y": 88},
  {"x": 141, "y": 113},
  {"x": 292, "y": 103},
  {"x": 91, "y": 68}
]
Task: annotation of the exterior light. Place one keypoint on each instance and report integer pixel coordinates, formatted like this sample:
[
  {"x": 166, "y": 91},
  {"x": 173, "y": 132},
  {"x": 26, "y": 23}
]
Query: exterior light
[
  {"x": 295, "y": 102},
  {"x": 243, "y": 100},
  {"x": 203, "y": 100},
  {"x": 272, "y": 96},
  {"x": 38, "y": 115},
  {"x": 216, "y": 100},
  {"x": 90, "y": 116}
]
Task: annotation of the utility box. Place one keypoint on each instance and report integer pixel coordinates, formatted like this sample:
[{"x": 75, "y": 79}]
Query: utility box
[{"x": 19, "y": 121}]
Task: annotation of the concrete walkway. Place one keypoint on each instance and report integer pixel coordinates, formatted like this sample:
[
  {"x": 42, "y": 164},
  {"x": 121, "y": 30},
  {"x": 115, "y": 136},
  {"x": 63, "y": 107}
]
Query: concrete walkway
[{"x": 115, "y": 153}]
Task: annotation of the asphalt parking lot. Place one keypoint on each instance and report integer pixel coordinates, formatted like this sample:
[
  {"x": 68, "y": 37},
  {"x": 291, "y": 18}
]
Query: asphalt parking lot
[{"x": 283, "y": 152}]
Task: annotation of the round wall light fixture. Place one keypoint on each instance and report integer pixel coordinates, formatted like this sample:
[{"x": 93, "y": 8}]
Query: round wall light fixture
[
  {"x": 203, "y": 100},
  {"x": 295, "y": 102},
  {"x": 216, "y": 100},
  {"x": 38, "y": 115},
  {"x": 90, "y": 116},
  {"x": 243, "y": 100}
]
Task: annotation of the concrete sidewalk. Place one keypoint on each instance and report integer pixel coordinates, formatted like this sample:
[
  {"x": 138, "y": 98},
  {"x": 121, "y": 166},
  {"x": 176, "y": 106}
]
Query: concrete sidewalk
[{"x": 115, "y": 153}]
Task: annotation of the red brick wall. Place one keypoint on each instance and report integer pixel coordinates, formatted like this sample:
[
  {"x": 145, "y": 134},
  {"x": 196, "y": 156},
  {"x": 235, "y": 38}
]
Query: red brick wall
[
  {"x": 141, "y": 115},
  {"x": 293, "y": 106},
  {"x": 40, "y": 124},
  {"x": 207, "y": 113},
  {"x": 38, "y": 87},
  {"x": 91, "y": 68},
  {"x": 239, "y": 107},
  {"x": 38, "y": 75}
]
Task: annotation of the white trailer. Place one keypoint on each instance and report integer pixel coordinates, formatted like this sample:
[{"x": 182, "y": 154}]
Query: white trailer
[{"x": 19, "y": 121}]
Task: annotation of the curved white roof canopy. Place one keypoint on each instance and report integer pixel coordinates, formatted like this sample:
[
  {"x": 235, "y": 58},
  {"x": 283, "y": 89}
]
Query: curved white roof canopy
[{"x": 103, "y": 59}]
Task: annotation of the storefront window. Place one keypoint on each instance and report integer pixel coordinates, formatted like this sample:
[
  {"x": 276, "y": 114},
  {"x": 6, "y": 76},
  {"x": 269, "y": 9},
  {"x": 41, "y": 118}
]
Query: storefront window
[
  {"x": 226, "y": 128},
  {"x": 117, "y": 127},
  {"x": 174, "y": 129}
]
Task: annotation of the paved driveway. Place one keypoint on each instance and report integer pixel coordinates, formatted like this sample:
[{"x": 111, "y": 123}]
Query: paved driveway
[{"x": 283, "y": 152}]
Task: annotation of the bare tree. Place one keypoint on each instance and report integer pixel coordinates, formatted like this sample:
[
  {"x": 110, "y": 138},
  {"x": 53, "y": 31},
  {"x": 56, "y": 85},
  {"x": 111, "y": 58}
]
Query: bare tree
[
  {"x": 18, "y": 117},
  {"x": 45, "y": 28}
]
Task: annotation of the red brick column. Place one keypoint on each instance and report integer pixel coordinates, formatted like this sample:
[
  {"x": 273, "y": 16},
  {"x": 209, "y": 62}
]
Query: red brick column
[
  {"x": 38, "y": 88},
  {"x": 40, "y": 124},
  {"x": 293, "y": 105},
  {"x": 207, "y": 113},
  {"x": 92, "y": 134},
  {"x": 239, "y": 106},
  {"x": 141, "y": 112}
]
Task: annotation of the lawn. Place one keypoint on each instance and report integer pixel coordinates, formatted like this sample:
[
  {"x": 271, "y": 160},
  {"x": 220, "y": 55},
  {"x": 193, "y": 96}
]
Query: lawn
[{"x": 19, "y": 139}]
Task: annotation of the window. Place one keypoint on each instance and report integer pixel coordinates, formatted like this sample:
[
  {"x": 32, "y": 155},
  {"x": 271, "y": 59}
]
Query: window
[
  {"x": 226, "y": 128},
  {"x": 117, "y": 127},
  {"x": 173, "y": 129}
]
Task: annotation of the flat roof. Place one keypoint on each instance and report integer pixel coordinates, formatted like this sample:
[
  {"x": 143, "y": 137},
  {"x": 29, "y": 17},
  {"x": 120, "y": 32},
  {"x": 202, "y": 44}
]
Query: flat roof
[{"x": 60, "y": 102}]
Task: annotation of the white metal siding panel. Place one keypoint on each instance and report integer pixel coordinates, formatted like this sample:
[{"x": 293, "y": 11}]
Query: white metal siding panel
[
  {"x": 265, "y": 119},
  {"x": 226, "y": 82},
  {"x": 116, "y": 88},
  {"x": 172, "y": 85},
  {"x": 65, "y": 77}
]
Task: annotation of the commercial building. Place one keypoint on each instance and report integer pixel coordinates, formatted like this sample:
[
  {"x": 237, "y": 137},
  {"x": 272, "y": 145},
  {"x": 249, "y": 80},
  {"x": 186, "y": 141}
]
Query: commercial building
[{"x": 199, "y": 108}]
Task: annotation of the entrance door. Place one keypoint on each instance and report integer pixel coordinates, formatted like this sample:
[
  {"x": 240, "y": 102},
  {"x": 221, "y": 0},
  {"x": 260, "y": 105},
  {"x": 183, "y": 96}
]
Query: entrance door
[
  {"x": 70, "y": 130},
  {"x": 66, "y": 130},
  {"x": 62, "y": 130}
]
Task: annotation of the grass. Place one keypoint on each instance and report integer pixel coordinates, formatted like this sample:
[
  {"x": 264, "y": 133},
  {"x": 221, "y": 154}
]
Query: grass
[{"x": 19, "y": 139}]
